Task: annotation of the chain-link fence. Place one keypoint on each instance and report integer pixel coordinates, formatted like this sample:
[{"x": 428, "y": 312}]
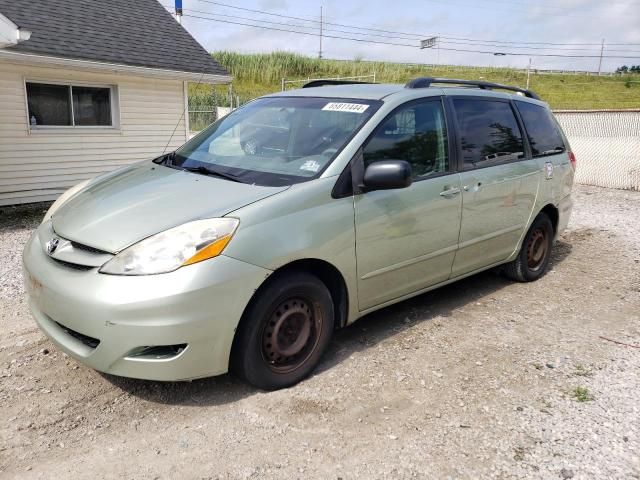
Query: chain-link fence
[{"x": 607, "y": 146}]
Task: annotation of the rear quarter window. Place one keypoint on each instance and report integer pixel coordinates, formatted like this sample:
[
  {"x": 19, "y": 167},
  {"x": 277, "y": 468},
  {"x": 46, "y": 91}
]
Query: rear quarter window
[{"x": 543, "y": 134}]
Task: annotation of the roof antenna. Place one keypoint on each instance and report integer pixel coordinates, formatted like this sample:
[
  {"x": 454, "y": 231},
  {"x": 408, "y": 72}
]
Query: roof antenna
[{"x": 179, "y": 11}]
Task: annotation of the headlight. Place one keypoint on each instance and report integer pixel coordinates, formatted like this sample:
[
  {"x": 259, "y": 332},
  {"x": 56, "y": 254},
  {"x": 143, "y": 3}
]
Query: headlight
[
  {"x": 167, "y": 251},
  {"x": 63, "y": 198}
]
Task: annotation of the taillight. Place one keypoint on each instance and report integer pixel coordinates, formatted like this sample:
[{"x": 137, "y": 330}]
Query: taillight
[{"x": 572, "y": 159}]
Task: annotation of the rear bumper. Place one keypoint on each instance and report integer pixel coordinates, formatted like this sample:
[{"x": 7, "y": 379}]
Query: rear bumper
[{"x": 199, "y": 305}]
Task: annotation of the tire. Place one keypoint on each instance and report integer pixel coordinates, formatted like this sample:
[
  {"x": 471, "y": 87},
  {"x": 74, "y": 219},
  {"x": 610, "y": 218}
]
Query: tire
[
  {"x": 533, "y": 258},
  {"x": 284, "y": 332}
]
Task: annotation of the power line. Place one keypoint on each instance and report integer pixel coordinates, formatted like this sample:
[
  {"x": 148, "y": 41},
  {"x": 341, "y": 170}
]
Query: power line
[
  {"x": 447, "y": 42},
  {"x": 517, "y": 6},
  {"x": 379, "y": 42},
  {"x": 393, "y": 37},
  {"x": 487, "y": 44},
  {"x": 412, "y": 35}
]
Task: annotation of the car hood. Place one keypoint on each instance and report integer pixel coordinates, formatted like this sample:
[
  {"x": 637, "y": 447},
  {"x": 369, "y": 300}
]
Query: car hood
[{"x": 126, "y": 206}]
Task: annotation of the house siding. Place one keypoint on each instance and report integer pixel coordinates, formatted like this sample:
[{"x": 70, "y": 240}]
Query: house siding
[{"x": 39, "y": 165}]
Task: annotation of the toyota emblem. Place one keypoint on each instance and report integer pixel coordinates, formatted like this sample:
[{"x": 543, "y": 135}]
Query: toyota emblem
[{"x": 52, "y": 245}]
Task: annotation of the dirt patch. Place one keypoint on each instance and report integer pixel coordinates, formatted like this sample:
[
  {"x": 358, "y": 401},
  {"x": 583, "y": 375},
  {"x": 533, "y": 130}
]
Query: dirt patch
[{"x": 484, "y": 378}]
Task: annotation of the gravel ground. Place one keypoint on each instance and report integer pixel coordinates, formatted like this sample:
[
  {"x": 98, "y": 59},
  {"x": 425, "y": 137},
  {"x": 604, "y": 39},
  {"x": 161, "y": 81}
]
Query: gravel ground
[{"x": 484, "y": 378}]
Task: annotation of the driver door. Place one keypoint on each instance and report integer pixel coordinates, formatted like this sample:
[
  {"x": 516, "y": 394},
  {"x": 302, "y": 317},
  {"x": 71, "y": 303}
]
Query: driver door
[{"x": 406, "y": 239}]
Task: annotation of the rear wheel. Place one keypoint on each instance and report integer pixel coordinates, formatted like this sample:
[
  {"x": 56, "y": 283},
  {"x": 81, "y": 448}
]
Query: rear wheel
[
  {"x": 284, "y": 332},
  {"x": 533, "y": 259}
]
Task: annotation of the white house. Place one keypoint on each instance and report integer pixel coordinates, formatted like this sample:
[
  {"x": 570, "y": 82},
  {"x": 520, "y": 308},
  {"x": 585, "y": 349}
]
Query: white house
[{"x": 88, "y": 86}]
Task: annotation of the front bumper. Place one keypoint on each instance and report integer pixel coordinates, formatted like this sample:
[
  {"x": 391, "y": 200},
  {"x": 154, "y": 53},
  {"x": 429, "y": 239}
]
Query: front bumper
[{"x": 198, "y": 305}]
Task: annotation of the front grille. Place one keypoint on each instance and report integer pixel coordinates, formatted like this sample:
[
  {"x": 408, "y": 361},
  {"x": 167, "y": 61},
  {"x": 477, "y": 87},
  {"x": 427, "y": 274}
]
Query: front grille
[
  {"x": 88, "y": 341},
  {"x": 87, "y": 248},
  {"x": 73, "y": 266}
]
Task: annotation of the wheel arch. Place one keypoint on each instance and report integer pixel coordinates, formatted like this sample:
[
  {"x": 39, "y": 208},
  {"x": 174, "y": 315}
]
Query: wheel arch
[
  {"x": 327, "y": 273},
  {"x": 554, "y": 215}
]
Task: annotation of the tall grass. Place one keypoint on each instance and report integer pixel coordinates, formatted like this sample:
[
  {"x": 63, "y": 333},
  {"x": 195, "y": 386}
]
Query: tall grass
[{"x": 260, "y": 74}]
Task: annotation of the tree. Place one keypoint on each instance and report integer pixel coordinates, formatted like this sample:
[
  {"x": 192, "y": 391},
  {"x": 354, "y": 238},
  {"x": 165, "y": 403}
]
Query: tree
[{"x": 624, "y": 69}]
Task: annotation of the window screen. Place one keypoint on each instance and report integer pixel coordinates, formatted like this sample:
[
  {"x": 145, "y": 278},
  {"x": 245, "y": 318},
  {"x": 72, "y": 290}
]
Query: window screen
[
  {"x": 544, "y": 137},
  {"x": 68, "y": 105},
  {"x": 489, "y": 132},
  {"x": 416, "y": 133}
]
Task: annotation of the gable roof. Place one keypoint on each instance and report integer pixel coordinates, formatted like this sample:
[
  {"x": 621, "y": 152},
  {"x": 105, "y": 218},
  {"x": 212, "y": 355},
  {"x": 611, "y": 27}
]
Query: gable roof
[{"x": 128, "y": 32}]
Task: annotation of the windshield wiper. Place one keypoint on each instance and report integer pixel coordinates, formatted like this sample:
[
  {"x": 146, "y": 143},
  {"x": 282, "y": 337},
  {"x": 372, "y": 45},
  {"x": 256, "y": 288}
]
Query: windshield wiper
[{"x": 213, "y": 173}]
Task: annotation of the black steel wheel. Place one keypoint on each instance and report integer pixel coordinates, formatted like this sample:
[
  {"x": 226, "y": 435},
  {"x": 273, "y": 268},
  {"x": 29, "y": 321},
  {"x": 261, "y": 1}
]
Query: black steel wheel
[
  {"x": 533, "y": 259},
  {"x": 284, "y": 331}
]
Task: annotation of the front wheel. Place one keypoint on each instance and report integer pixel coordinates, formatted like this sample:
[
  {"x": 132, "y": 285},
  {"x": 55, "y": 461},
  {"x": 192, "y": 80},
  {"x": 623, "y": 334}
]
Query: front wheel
[
  {"x": 284, "y": 331},
  {"x": 533, "y": 259}
]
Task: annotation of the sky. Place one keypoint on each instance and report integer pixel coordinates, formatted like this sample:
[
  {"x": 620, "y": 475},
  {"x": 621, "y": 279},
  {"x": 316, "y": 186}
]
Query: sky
[{"x": 460, "y": 24}]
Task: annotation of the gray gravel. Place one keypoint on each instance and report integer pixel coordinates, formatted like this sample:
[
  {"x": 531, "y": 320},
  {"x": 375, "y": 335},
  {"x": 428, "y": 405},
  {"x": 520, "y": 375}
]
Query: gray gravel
[{"x": 484, "y": 378}]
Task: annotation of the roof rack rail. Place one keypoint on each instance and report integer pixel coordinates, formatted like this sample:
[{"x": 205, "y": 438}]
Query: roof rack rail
[
  {"x": 322, "y": 83},
  {"x": 425, "y": 82}
]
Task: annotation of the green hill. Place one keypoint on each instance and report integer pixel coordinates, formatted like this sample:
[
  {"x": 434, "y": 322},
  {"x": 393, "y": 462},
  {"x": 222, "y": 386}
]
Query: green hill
[{"x": 259, "y": 74}]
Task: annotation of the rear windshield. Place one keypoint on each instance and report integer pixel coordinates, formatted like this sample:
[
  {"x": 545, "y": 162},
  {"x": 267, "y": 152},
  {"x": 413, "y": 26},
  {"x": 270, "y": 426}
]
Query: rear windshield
[
  {"x": 277, "y": 141},
  {"x": 544, "y": 137}
]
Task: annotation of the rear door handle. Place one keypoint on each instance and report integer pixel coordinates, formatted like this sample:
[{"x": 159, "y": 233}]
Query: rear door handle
[{"x": 450, "y": 192}]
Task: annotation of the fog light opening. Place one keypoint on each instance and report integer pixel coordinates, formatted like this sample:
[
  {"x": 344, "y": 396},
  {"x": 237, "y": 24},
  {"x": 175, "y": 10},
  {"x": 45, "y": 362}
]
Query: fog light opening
[{"x": 157, "y": 352}]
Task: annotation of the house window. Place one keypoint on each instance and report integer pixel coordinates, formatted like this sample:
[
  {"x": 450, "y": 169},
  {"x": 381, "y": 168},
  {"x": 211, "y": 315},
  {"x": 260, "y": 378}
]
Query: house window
[{"x": 55, "y": 105}]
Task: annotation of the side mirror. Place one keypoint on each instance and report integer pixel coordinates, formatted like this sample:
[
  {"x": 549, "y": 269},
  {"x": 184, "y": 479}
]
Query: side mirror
[{"x": 387, "y": 175}]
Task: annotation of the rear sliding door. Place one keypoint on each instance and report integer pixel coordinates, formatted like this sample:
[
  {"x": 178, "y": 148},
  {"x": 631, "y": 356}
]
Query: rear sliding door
[{"x": 499, "y": 181}]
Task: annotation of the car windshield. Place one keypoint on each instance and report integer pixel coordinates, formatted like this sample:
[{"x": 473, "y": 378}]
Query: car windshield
[{"x": 275, "y": 141}]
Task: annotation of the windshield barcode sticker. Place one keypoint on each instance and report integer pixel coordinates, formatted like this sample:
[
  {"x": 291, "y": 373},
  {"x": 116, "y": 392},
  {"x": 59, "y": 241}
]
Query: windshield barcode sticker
[{"x": 345, "y": 107}]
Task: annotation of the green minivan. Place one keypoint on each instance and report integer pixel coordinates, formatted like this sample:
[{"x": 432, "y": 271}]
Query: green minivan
[{"x": 293, "y": 216}]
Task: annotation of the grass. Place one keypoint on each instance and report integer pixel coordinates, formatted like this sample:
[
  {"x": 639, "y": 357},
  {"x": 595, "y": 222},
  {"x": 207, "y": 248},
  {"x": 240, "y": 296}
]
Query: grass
[
  {"x": 260, "y": 74},
  {"x": 582, "y": 394}
]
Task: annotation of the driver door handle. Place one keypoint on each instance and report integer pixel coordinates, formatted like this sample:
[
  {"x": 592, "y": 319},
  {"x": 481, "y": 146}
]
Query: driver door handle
[{"x": 450, "y": 192}]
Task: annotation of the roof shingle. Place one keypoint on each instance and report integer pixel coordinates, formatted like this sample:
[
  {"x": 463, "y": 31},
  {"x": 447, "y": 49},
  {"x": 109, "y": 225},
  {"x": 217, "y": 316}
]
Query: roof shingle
[{"x": 128, "y": 32}]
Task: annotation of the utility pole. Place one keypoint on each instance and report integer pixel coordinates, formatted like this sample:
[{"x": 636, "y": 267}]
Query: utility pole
[
  {"x": 600, "y": 62},
  {"x": 528, "y": 73},
  {"x": 320, "y": 51}
]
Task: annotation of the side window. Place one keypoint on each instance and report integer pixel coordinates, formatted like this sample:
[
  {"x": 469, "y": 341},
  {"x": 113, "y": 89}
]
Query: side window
[
  {"x": 416, "y": 133},
  {"x": 544, "y": 137},
  {"x": 489, "y": 132}
]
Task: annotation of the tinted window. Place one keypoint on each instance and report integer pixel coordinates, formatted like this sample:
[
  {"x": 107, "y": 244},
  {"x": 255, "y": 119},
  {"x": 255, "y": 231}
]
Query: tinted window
[
  {"x": 544, "y": 137},
  {"x": 416, "y": 133},
  {"x": 489, "y": 132}
]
